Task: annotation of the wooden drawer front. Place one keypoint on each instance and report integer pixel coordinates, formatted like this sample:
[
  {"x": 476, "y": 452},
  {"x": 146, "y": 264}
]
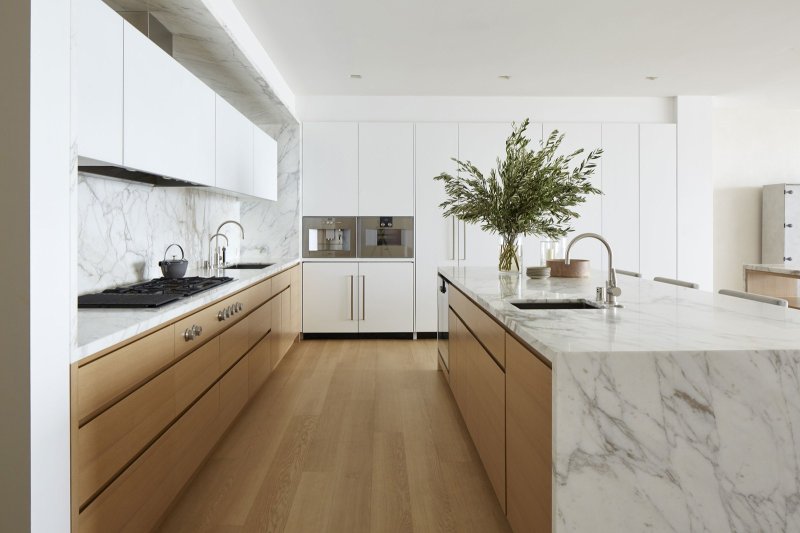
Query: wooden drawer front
[
  {"x": 529, "y": 439},
  {"x": 233, "y": 392},
  {"x": 208, "y": 319},
  {"x": 108, "y": 442},
  {"x": 260, "y": 323},
  {"x": 488, "y": 391},
  {"x": 489, "y": 332},
  {"x": 137, "y": 499},
  {"x": 110, "y": 377},
  {"x": 297, "y": 297},
  {"x": 259, "y": 364},
  {"x": 234, "y": 343},
  {"x": 281, "y": 281},
  {"x": 195, "y": 373},
  {"x": 260, "y": 293}
]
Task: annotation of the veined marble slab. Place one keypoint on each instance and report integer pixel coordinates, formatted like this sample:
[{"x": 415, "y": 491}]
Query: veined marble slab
[
  {"x": 99, "y": 329},
  {"x": 679, "y": 412}
]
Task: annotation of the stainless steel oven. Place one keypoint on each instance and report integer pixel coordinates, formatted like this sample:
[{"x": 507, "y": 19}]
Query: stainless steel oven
[
  {"x": 442, "y": 335},
  {"x": 391, "y": 237},
  {"x": 329, "y": 237}
]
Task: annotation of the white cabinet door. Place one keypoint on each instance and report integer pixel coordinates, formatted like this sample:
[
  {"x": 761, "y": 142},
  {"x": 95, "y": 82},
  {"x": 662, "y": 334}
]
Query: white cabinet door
[
  {"x": 589, "y": 137},
  {"x": 99, "y": 79},
  {"x": 330, "y": 169},
  {"x": 435, "y": 145},
  {"x": 234, "y": 149},
  {"x": 386, "y": 298},
  {"x": 482, "y": 143},
  {"x": 330, "y": 297},
  {"x": 265, "y": 165},
  {"x": 168, "y": 114},
  {"x": 621, "y": 193},
  {"x": 385, "y": 169},
  {"x": 658, "y": 194}
]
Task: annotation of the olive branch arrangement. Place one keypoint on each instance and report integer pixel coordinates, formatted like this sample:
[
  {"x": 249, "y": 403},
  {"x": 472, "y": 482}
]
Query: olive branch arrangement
[{"x": 530, "y": 192}]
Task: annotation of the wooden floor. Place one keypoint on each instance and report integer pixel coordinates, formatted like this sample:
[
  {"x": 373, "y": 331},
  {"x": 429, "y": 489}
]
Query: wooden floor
[{"x": 346, "y": 436}]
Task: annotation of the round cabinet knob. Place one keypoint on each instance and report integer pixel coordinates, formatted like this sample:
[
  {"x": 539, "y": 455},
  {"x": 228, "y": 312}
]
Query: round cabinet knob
[
  {"x": 221, "y": 315},
  {"x": 227, "y": 312},
  {"x": 197, "y": 330},
  {"x": 188, "y": 334}
]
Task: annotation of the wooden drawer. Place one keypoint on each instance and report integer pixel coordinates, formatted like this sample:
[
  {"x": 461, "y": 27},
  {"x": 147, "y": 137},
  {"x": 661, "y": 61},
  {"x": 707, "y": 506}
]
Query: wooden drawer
[
  {"x": 195, "y": 373},
  {"x": 281, "y": 281},
  {"x": 137, "y": 499},
  {"x": 489, "y": 332},
  {"x": 259, "y": 364},
  {"x": 108, "y": 442},
  {"x": 208, "y": 319},
  {"x": 234, "y": 343},
  {"x": 529, "y": 434},
  {"x": 260, "y": 323},
  {"x": 110, "y": 377},
  {"x": 233, "y": 392},
  {"x": 260, "y": 293}
]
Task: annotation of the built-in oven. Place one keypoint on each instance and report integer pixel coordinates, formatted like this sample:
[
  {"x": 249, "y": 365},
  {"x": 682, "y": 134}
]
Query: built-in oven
[
  {"x": 442, "y": 340},
  {"x": 329, "y": 237},
  {"x": 390, "y": 237}
]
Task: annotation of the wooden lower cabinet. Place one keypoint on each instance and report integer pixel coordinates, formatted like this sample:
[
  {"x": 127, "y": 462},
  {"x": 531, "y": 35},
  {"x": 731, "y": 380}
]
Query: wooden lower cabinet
[
  {"x": 478, "y": 385},
  {"x": 528, "y": 440},
  {"x": 146, "y": 415}
]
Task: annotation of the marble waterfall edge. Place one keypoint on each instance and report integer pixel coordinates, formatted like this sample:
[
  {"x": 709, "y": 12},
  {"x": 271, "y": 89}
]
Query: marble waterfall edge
[{"x": 124, "y": 227}]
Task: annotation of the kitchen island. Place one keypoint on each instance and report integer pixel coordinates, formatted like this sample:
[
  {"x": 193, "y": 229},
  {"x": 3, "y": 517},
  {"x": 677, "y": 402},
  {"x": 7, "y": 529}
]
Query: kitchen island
[{"x": 677, "y": 412}]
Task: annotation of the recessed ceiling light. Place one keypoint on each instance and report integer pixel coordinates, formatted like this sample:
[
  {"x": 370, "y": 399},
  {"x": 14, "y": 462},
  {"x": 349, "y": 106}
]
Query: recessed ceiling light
[
  {"x": 504, "y": 77},
  {"x": 355, "y": 76},
  {"x": 651, "y": 78}
]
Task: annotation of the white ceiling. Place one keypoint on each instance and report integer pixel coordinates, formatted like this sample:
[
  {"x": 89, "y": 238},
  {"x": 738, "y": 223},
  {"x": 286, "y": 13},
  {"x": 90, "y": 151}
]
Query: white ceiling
[{"x": 555, "y": 48}]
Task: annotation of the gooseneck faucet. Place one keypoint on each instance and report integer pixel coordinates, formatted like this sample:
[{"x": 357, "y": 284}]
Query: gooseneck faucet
[
  {"x": 612, "y": 291},
  {"x": 218, "y": 259}
]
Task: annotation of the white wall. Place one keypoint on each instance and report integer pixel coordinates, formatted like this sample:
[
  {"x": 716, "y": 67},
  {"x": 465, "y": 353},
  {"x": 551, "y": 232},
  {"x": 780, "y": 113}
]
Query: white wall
[
  {"x": 753, "y": 146},
  {"x": 37, "y": 212}
]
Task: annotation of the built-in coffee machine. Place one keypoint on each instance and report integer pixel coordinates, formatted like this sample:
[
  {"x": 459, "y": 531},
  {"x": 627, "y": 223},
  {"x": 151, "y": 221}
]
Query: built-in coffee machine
[{"x": 329, "y": 237}]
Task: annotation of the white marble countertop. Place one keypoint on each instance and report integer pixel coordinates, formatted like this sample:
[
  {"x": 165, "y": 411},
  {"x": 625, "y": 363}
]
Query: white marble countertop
[
  {"x": 654, "y": 317},
  {"x": 99, "y": 329},
  {"x": 788, "y": 269},
  {"x": 679, "y": 412}
]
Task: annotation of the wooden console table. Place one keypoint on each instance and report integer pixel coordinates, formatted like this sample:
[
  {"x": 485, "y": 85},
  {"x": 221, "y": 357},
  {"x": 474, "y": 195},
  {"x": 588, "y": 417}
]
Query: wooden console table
[{"x": 781, "y": 281}]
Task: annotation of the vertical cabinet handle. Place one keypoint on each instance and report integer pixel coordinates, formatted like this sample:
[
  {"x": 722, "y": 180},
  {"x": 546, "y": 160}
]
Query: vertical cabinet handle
[
  {"x": 451, "y": 252},
  {"x": 463, "y": 241},
  {"x": 351, "y": 296},
  {"x": 363, "y": 297}
]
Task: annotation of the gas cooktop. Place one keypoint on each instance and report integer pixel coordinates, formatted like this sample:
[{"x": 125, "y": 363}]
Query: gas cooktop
[{"x": 153, "y": 293}]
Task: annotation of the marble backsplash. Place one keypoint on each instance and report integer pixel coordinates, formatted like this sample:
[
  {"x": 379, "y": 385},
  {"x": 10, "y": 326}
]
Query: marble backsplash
[{"x": 125, "y": 227}]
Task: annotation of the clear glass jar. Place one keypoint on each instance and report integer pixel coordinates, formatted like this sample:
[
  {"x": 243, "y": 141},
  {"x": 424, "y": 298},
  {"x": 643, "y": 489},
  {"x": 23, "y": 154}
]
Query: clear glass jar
[{"x": 551, "y": 249}]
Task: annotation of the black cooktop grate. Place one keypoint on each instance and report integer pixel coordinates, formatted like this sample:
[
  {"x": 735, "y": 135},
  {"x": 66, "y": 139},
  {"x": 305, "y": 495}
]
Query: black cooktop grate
[{"x": 153, "y": 293}]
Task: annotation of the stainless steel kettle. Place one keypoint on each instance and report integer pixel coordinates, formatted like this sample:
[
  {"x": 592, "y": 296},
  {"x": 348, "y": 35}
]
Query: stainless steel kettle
[{"x": 173, "y": 268}]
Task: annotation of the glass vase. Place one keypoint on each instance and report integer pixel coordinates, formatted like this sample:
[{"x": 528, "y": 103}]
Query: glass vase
[
  {"x": 510, "y": 257},
  {"x": 552, "y": 249}
]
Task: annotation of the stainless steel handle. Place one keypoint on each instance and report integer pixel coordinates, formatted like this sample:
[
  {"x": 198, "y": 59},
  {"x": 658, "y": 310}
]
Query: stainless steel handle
[
  {"x": 463, "y": 241},
  {"x": 188, "y": 334},
  {"x": 197, "y": 330},
  {"x": 221, "y": 315},
  {"x": 363, "y": 297},
  {"x": 451, "y": 252},
  {"x": 351, "y": 296}
]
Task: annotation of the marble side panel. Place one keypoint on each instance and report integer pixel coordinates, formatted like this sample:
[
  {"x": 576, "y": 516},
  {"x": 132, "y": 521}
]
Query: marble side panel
[{"x": 677, "y": 442}]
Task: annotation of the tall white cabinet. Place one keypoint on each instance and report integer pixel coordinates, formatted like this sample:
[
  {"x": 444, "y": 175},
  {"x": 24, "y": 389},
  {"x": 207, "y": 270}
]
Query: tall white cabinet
[
  {"x": 620, "y": 201},
  {"x": 330, "y": 169},
  {"x": 386, "y": 169},
  {"x": 658, "y": 200}
]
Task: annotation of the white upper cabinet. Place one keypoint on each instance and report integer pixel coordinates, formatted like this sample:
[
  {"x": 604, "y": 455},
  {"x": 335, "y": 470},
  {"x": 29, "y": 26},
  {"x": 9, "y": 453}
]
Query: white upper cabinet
[
  {"x": 98, "y": 83},
  {"x": 265, "y": 165},
  {"x": 330, "y": 169},
  {"x": 589, "y": 137},
  {"x": 386, "y": 169},
  {"x": 168, "y": 114},
  {"x": 621, "y": 193},
  {"x": 658, "y": 193},
  {"x": 234, "y": 149}
]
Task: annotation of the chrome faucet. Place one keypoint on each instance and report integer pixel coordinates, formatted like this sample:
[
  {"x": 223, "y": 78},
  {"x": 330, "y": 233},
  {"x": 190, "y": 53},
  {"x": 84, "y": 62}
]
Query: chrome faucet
[
  {"x": 612, "y": 291},
  {"x": 214, "y": 259},
  {"x": 218, "y": 259}
]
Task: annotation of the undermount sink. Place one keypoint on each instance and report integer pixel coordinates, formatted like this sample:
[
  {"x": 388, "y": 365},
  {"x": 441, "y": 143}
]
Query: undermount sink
[
  {"x": 249, "y": 266},
  {"x": 556, "y": 304}
]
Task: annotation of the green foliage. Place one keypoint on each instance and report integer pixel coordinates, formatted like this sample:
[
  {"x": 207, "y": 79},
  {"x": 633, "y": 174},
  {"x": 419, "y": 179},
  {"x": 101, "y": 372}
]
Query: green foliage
[{"x": 530, "y": 192}]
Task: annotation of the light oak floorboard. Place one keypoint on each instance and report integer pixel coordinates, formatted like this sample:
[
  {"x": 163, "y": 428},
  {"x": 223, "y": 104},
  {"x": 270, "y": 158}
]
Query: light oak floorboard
[{"x": 345, "y": 436}]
